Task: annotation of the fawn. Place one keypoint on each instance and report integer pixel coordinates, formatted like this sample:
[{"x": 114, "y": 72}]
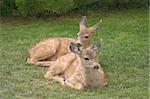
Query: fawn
[
  {"x": 46, "y": 51},
  {"x": 78, "y": 69}
]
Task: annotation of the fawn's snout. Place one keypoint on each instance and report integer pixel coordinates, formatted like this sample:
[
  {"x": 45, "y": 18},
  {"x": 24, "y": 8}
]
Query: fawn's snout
[
  {"x": 96, "y": 67},
  {"x": 78, "y": 44}
]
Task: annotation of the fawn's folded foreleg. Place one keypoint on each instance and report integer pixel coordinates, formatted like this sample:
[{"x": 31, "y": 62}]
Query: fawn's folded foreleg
[
  {"x": 60, "y": 65},
  {"x": 45, "y": 63}
]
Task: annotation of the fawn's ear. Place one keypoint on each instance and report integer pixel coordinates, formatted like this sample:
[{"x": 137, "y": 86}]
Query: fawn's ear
[
  {"x": 96, "y": 46},
  {"x": 83, "y": 23},
  {"x": 74, "y": 48},
  {"x": 95, "y": 27}
]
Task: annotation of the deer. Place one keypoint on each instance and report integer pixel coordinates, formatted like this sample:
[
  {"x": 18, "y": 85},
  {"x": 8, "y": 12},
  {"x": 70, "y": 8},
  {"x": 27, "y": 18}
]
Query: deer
[
  {"x": 78, "y": 69},
  {"x": 48, "y": 50}
]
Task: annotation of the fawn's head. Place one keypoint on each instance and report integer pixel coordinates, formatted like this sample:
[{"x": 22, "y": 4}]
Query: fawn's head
[
  {"x": 88, "y": 59},
  {"x": 87, "y": 55},
  {"x": 84, "y": 34}
]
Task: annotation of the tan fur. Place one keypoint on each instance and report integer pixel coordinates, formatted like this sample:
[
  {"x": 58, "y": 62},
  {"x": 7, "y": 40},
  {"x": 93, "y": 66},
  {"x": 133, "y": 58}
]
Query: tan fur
[
  {"x": 54, "y": 47},
  {"x": 47, "y": 51},
  {"x": 74, "y": 71}
]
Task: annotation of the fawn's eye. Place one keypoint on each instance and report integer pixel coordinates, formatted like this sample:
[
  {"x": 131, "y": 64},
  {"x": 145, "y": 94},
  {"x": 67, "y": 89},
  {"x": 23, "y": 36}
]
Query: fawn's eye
[
  {"x": 86, "y": 58},
  {"x": 86, "y": 37}
]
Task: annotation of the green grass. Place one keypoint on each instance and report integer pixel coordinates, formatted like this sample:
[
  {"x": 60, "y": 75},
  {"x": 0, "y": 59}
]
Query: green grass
[{"x": 124, "y": 56}]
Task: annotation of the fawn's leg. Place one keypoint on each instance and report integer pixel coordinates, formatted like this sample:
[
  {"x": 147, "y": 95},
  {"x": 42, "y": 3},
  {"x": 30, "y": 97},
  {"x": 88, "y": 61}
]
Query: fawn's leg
[
  {"x": 60, "y": 65},
  {"x": 77, "y": 80},
  {"x": 39, "y": 62},
  {"x": 42, "y": 52},
  {"x": 31, "y": 61},
  {"x": 59, "y": 78},
  {"x": 55, "y": 69},
  {"x": 45, "y": 63},
  {"x": 73, "y": 83}
]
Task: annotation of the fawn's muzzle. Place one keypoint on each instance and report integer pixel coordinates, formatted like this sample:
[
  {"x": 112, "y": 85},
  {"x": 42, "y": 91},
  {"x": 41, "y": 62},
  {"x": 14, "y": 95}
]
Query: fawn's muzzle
[{"x": 96, "y": 67}]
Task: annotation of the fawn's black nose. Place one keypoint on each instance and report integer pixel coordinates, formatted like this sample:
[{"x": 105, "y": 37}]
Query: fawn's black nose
[
  {"x": 78, "y": 45},
  {"x": 96, "y": 67}
]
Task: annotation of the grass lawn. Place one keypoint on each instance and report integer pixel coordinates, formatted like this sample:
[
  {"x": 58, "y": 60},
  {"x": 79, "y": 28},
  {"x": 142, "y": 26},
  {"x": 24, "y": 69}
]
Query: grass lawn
[{"x": 124, "y": 56}]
